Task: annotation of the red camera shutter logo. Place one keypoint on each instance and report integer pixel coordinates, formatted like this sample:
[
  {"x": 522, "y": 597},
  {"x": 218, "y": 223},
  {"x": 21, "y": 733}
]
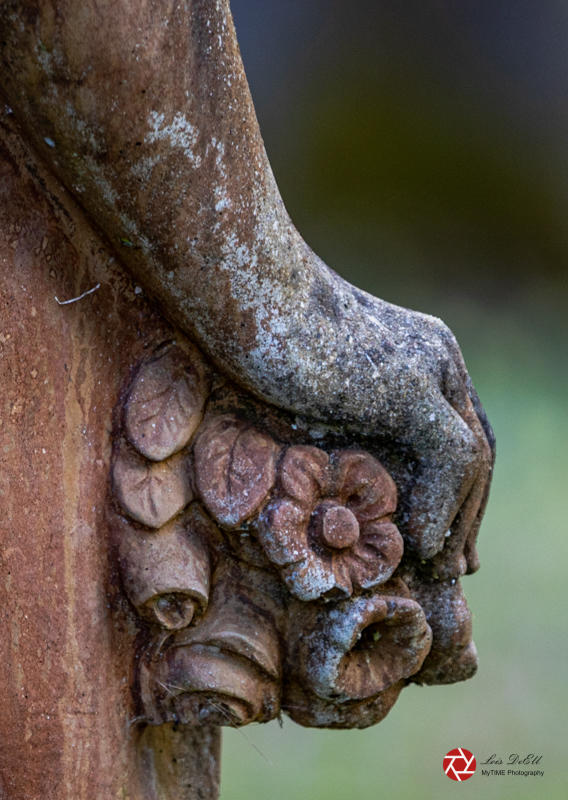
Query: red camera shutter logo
[{"x": 459, "y": 764}]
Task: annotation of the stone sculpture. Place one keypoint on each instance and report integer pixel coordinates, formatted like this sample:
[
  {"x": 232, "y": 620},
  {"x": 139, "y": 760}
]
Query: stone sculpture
[{"x": 296, "y": 470}]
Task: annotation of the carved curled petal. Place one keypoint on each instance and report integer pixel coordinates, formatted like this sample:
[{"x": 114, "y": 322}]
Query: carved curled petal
[
  {"x": 303, "y": 473},
  {"x": 172, "y": 611},
  {"x": 283, "y": 532},
  {"x": 195, "y": 684},
  {"x": 149, "y": 492},
  {"x": 363, "y": 646},
  {"x": 165, "y": 403},
  {"x": 376, "y": 555},
  {"x": 241, "y": 618},
  {"x": 309, "y": 579},
  {"x": 364, "y": 485},
  {"x": 237, "y": 627},
  {"x": 235, "y": 468}
]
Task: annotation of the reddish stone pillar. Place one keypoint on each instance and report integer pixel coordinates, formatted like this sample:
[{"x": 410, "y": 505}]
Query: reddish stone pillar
[{"x": 67, "y": 635}]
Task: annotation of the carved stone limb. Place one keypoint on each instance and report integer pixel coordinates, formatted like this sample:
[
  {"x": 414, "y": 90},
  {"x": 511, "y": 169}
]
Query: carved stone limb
[{"x": 453, "y": 656}]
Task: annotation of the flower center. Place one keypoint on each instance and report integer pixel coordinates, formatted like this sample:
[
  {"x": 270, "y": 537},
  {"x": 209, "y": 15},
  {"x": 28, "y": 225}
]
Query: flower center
[{"x": 340, "y": 528}]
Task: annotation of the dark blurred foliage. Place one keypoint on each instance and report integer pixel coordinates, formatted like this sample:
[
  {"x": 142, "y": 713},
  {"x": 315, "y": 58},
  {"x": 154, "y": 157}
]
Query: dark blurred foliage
[{"x": 420, "y": 146}]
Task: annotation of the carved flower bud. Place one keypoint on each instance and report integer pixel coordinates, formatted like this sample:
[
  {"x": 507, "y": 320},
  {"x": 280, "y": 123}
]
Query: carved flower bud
[
  {"x": 165, "y": 403},
  {"x": 151, "y": 492},
  {"x": 361, "y": 647},
  {"x": 235, "y": 467},
  {"x": 166, "y": 575},
  {"x": 226, "y": 670},
  {"x": 329, "y": 525},
  {"x": 203, "y": 685}
]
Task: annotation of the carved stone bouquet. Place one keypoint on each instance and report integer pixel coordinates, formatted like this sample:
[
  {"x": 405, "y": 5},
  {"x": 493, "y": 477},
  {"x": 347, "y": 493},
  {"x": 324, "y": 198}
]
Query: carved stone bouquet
[{"x": 265, "y": 559}]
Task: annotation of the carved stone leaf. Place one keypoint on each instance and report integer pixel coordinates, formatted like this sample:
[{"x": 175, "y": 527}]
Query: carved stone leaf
[
  {"x": 306, "y": 708},
  {"x": 165, "y": 403},
  {"x": 235, "y": 467},
  {"x": 151, "y": 493}
]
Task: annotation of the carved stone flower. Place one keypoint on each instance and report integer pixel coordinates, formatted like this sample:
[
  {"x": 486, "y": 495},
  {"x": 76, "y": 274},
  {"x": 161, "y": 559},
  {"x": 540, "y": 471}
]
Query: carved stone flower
[
  {"x": 329, "y": 526},
  {"x": 363, "y": 645},
  {"x": 347, "y": 662},
  {"x": 225, "y": 670}
]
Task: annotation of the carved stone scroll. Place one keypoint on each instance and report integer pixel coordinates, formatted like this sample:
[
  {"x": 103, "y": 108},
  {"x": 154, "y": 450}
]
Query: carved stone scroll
[{"x": 267, "y": 563}]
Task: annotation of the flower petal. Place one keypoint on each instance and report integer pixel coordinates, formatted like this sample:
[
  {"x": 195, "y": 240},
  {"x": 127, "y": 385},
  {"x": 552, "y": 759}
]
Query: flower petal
[
  {"x": 364, "y": 485},
  {"x": 362, "y": 646},
  {"x": 376, "y": 555},
  {"x": 303, "y": 473},
  {"x": 282, "y": 532},
  {"x": 309, "y": 579},
  {"x": 342, "y": 573}
]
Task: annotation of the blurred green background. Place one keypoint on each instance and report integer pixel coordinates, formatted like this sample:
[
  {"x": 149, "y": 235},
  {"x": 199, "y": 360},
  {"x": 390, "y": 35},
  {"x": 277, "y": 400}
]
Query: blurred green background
[{"x": 421, "y": 150}]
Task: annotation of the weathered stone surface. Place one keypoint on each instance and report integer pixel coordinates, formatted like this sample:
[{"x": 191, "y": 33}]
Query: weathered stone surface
[
  {"x": 174, "y": 171},
  {"x": 306, "y": 556},
  {"x": 67, "y": 634},
  {"x": 292, "y": 603},
  {"x": 330, "y": 607}
]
